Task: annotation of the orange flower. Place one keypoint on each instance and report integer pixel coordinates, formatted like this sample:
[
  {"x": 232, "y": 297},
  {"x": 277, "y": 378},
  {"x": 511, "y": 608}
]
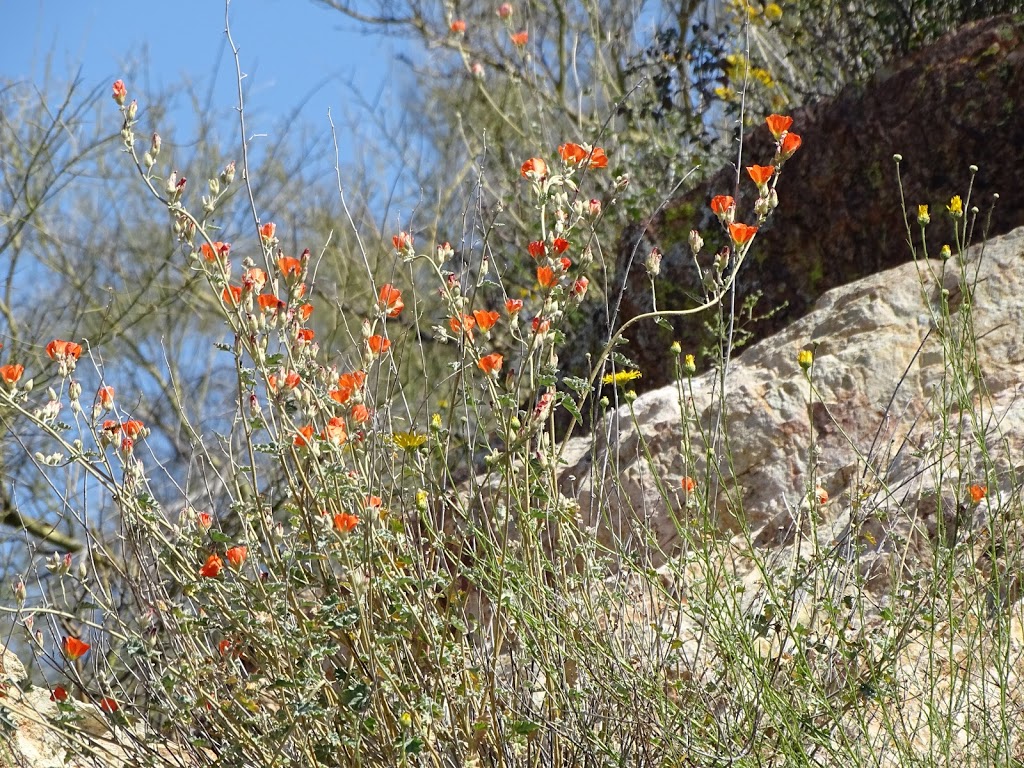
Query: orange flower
[
  {"x": 535, "y": 249},
  {"x": 485, "y": 320},
  {"x": 465, "y": 324},
  {"x": 821, "y": 495},
  {"x": 268, "y": 302},
  {"x": 540, "y": 326},
  {"x": 790, "y": 144},
  {"x": 360, "y": 413},
  {"x": 741, "y": 233},
  {"x": 304, "y": 436},
  {"x": 267, "y": 232},
  {"x": 561, "y": 245},
  {"x": 291, "y": 381},
  {"x": 722, "y": 205},
  {"x": 224, "y": 647},
  {"x": 572, "y": 154},
  {"x": 212, "y": 567},
  {"x": 778, "y": 124},
  {"x": 62, "y": 350},
  {"x": 304, "y": 311},
  {"x": 105, "y": 397},
  {"x": 977, "y": 493},
  {"x": 688, "y": 484},
  {"x": 391, "y": 300},
  {"x": 378, "y": 345},
  {"x": 74, "y": 649},
  {"x": 761, "y": 174},
  {"x": 109, "y": 705},
  {"x": 347, "y": 384},
  {"x": 120, "y": 92},
  {"x": 305, "y": 335},
  {"x": 236, "y": 556},
  {"x": 290, "y": 267},
  {"x": 546, "y": 277},
  {"x": 232, "y": 295},
  {"x": 204, "y": 520},
  {"x": 344, "y": 522},
  {"x": 133, "y": 428},
  {"x": 11, "y": 373},
  {"x": 490, "y": 364},
  {"x": 254, "y": 279},
  {"x": 535, "y": 169},
  {"x": 402, "y": 241},
  {"x": 60, "y": 694},
  {"x": 458, "y": 26},
  {"x": 218, "y": 249},
  {"x": 335, "y": 431},
  {"x": 598, "y": 159},
  {"x": 373, "y": 502},
  {"x": 521, "y": 38},
  {"x": 512, "y": 306},
  {"x": 579, "y": 288}
]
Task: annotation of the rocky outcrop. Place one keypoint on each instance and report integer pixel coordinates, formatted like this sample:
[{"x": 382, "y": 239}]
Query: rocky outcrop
[
  {"x": 957, "y": 102},
  {"x": 867, "y": 425},
  {"x": 38, "y": 732},
  {"x": 895, "y": 421}
]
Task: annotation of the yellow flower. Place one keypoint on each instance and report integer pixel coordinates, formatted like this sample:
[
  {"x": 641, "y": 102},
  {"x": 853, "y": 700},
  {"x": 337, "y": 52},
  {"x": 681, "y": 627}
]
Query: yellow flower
[
  {"x": 773, "y": 12},
  {"x": 409, "y": 441},
  {"x": 805, "y": 358},
  {"x": 956, "y": 207},
  {"x": 689, "y": 365},
  {"x": 620, "y": 377},
  {"x": 922, "y": 215}
]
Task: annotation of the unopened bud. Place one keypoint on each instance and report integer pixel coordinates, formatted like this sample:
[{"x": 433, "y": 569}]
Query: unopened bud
[
  {"x": 689, "y": 365},
  {"x": 696, "y": 241},
  {"x": 595, "y": 207},
  {"x": 621, "y": 182},
  {"x": 227, "y": 176},
  {"x": 155, "y": 144},
  {"x": 20, "y": 593},
  {"x": 653, "y": 263},
  {"x": 133, "y": 109},
  {"x": 214, "y": 187}
]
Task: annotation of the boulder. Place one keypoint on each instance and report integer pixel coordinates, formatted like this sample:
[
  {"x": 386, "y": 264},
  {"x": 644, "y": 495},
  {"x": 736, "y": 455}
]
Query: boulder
[{"x": 866, "y": 424}]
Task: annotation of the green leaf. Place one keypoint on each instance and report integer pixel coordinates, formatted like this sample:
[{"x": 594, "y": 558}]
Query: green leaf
[
  {"x": 621, "y": 361},
  {"x": 570, "y": 405},
  {"x": 576, "y": 384},
  {"x": 524, "y": 727}
]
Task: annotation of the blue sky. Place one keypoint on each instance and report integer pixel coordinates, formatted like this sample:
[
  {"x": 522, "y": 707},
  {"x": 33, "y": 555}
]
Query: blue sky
[{"x": 294, "y": 51}]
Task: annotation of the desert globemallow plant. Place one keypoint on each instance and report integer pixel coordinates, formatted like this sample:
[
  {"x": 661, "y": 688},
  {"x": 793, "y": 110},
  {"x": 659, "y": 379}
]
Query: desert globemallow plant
[{"x": 386, "y": 578}]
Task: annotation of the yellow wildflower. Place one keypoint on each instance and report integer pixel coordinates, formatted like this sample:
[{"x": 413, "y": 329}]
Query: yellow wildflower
[
  {"x": 620, "y": 377},
  {"x": 409, "y": 441},
  {"x": 956, "y": 207}
]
